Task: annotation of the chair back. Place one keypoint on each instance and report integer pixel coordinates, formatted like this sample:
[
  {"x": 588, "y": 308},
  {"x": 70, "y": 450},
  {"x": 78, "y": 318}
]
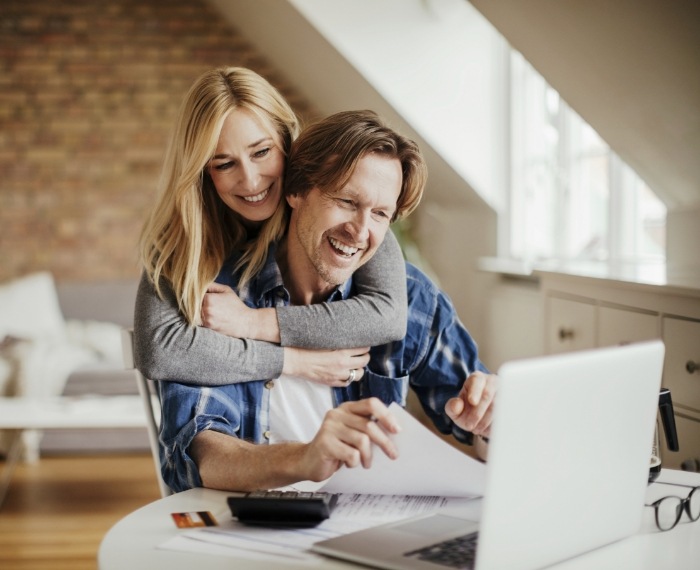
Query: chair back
[{"x": 151, "y": 403}]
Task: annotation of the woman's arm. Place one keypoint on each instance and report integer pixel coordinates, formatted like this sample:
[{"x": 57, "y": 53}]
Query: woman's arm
[
  {"x": 167, "y": 348},
  {"x": 375, "y": 315}
]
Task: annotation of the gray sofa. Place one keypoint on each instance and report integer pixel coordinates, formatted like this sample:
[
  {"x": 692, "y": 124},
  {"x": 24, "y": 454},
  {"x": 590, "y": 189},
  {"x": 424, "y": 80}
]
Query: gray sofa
[{"x": 108, "y": 302}]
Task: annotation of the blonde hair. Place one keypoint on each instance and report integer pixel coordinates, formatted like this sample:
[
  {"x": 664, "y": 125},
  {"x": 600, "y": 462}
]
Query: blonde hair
[{"x": 190, "y": 231}]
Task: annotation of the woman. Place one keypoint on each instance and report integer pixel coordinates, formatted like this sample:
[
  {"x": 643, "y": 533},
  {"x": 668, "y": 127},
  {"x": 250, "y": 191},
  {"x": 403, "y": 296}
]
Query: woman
[{"x": 220, "y": 190}]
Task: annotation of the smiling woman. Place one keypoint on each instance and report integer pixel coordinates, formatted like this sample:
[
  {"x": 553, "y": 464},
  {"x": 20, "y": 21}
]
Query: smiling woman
[
  {"x": 247, "y": 168},
  {"x": 220, "y": 195}
]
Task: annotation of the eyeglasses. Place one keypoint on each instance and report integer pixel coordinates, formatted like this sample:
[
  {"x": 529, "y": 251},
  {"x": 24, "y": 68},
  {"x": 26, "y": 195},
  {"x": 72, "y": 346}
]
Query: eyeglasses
[{"x": 669, "y": 510}]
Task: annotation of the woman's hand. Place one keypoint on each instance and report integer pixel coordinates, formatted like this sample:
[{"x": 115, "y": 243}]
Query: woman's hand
[
  {"x": 224, "y": 312},
  {"x": 329, "y": 367}
]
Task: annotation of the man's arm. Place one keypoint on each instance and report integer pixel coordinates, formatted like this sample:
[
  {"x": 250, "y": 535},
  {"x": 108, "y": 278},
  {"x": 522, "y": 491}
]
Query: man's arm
[
  {"x": 455, "y": 388},
  {"x": 346, "y": 437}
]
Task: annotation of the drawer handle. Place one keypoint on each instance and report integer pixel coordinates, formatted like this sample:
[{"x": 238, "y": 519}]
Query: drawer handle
[
  {"x": 565, "y": 334},
  {"x": 691, "y": 366}
]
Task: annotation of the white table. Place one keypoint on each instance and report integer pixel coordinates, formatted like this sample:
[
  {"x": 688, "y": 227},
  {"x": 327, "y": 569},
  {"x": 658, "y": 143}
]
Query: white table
[
  {"x": 132, "y": 542},
  {"x": 63, "y": 412}
]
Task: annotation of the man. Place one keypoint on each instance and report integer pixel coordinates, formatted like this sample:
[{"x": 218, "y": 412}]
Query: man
[{"x": 348, "y": 177}]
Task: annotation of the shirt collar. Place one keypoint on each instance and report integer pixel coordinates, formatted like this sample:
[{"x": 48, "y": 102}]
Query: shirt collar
[{"x": 269, "y": 281}]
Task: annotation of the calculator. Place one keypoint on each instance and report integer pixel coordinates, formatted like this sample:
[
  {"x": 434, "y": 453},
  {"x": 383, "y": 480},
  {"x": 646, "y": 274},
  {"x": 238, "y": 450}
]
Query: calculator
[{"x": 282, "y": 508}]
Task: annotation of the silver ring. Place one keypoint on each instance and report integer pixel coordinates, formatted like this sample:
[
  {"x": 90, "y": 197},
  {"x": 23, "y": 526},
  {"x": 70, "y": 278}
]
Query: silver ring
[{"x": 351, "y": 378}]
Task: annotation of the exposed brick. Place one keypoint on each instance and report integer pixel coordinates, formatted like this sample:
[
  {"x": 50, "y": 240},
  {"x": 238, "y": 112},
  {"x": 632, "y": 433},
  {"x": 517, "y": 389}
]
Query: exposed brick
[{"x": 88, "y": 93}]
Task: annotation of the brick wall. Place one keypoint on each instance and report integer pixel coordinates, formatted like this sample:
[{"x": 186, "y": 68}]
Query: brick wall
[{"x": 88, "y": 92}]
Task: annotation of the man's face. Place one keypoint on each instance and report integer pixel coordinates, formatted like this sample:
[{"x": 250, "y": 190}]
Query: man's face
[{"x": 332, "y": 234}]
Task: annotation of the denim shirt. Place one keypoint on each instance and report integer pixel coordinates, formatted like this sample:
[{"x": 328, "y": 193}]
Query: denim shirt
[{"x": 434, "y": 358}]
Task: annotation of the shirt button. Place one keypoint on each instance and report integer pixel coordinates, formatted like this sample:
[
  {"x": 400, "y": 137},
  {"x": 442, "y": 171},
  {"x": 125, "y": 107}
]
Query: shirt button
[
  {"x": 270, "y": 384},
  {"x": 266, "y": 435}
]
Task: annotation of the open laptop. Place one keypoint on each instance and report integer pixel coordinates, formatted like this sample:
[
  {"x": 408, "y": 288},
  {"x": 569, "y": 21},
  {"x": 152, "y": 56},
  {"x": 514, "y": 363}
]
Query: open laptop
[{"x": 567, "y": 469}]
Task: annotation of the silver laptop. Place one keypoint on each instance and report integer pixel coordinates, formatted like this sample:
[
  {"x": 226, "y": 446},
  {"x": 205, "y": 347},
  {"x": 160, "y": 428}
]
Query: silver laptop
[{"x": 567, "y": 468}]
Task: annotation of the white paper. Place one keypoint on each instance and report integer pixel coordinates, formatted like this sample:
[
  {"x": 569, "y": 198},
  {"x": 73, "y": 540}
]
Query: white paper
[
  {"x": 353, "y": 512},
  {"x": 426, "y": 465},
  {"x": 677, "y": 477},
  {"x": 429, "y": 475}
]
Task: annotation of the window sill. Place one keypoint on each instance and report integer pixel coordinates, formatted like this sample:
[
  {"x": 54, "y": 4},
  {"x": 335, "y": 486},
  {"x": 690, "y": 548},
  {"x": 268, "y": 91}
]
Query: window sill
[{"x": 655, "y": 274}]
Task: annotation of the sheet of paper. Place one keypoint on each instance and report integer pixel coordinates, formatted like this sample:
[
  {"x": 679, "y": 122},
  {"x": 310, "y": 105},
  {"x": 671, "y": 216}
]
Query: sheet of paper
[
  {"x": 426, "y": 465},
  {"x": 353, "y": 512},
  {"x": 677, "y": 477},
  {"x": 429, "y": 475}
]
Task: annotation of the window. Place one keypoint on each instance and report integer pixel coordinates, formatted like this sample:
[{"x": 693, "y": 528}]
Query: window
[{"x": 571, "y": 197}]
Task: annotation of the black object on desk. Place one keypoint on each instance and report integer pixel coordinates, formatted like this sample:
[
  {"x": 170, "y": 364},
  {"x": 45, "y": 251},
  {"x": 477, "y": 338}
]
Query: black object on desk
[{"x": 282, "y": 508}]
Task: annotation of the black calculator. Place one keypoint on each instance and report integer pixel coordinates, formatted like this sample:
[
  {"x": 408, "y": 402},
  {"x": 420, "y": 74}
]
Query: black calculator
[{"x": 282, "y": 508}]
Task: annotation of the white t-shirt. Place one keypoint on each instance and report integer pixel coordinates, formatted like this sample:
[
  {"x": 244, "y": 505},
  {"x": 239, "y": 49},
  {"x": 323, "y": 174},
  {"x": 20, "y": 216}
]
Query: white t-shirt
[{"x": 297, "y": 408}]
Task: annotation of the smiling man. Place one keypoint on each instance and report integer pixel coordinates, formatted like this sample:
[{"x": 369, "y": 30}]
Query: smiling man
[
  {"x": 348, "y": 177},
  {"x": 331, "y": 234}
]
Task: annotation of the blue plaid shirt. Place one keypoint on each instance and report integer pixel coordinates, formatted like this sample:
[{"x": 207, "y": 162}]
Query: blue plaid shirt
[{"x": 434, "y": 358}]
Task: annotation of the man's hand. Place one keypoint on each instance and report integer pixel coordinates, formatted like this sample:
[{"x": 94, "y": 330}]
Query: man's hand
[
  {"x": 472, "y": 409},
  {"x": 346, "y": 437}
]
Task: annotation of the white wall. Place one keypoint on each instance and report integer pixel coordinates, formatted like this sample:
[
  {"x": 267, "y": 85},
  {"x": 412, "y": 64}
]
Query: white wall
[
  {"x": 432, "y": 62},
  {"x": 683, "y": 239},
  {"x": 629, "y": 67},
  {"x": 292, "y": 35}
]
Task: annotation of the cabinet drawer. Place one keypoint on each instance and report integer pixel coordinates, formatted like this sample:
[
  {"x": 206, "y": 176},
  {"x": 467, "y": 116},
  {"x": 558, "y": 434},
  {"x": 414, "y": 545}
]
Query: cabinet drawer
[
  {"x": 682, "y": 339},
  {"x": 622, "y": 326},
  {"x": 688, "y": 454},
  {"x": 570, "y": 326}
]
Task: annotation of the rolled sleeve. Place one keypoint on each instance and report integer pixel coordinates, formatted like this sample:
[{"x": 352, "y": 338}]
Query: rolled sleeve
[
  {"x": 440, "y": 351},
  {"x": 187, "y": 411}
]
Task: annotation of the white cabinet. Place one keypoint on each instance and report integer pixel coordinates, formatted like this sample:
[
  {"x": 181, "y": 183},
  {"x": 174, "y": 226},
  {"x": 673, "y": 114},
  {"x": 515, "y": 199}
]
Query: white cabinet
[
  {"x": 688, "y": 429},
  {"x": 682, "y": 365},
  {"x": 623, "y": 326},
  {"x": 587, "y": 312},
  {"x": 570, "y": 324},
  {"x": 577, "y": 324},
  {"x": 682, "y": 377}
]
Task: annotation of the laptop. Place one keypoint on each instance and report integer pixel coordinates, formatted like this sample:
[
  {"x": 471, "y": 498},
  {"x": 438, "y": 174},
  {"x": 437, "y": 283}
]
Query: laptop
[{"x": 568, "y": 462}]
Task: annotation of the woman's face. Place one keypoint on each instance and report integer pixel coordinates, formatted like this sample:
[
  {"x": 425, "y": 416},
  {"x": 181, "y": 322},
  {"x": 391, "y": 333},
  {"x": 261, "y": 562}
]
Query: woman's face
[{"x": 247, "y": 167}]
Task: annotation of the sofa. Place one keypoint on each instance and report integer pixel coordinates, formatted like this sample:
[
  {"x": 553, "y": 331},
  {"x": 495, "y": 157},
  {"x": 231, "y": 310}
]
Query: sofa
[{"x": 65, "y": 339}]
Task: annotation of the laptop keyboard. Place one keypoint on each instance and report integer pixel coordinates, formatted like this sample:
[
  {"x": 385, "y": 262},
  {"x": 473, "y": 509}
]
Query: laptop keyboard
[{"x": 459, "y": 552}]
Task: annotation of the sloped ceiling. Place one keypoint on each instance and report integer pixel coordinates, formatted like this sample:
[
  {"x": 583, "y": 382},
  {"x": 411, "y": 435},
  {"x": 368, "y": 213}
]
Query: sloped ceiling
[
  {"x": 331, "y": 83},
  {"x": 630, "y": 68}
]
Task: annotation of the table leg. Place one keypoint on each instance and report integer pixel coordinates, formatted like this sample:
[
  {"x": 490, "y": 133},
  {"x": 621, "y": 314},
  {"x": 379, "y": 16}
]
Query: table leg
[{"x": 13, "y": 455}]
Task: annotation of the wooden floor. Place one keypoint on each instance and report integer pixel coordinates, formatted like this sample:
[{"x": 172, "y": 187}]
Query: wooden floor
[{"x": 57, "y": 510}]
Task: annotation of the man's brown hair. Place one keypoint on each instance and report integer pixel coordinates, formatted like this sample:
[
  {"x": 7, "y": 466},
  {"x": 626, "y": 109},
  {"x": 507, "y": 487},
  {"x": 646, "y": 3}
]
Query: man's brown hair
[{"x": 326, "y": 153}]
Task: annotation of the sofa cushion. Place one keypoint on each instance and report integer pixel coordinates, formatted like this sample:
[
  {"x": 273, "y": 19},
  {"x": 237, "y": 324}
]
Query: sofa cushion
[
  {"x": 29, "y": 308},
  {"x": 107, "y": 301},
  {"x": 103, "y": 338}
]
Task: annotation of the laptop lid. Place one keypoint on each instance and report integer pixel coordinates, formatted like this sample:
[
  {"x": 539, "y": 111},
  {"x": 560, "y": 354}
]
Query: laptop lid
[
  {"x": 569, "y": 453},
  {"x": 567, "y": 467}
]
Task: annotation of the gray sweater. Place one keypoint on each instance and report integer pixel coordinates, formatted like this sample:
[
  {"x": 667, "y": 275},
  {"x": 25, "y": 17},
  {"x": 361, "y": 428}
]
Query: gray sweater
[{"x": 167, "y": 348}]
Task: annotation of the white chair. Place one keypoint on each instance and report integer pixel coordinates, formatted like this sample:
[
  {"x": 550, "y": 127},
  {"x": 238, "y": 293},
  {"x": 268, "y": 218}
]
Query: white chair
[{"x": 151, "y": 403}]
